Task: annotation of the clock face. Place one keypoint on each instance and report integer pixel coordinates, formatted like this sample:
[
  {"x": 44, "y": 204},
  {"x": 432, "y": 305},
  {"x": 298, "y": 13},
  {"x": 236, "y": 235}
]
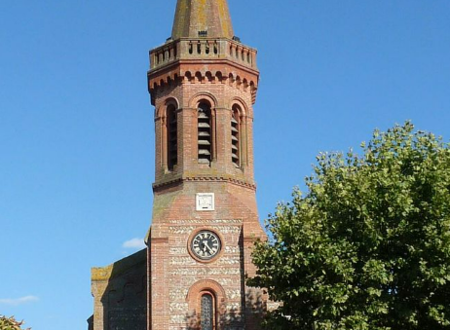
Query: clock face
[{"x": 206, "y": 245}]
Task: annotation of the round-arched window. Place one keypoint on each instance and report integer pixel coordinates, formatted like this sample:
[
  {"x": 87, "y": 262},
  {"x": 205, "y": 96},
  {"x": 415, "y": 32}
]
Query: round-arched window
[
  {"x": 235, "y": 136},
  {"x": 172, "y": 137},
  {"x": 207, "y": 312},
  {"x": 204, "y": 134}
]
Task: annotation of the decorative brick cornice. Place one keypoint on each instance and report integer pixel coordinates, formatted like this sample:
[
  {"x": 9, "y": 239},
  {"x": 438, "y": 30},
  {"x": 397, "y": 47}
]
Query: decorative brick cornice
[
  {"x": 211, "y": 72},
  {"x": 245, "y": 184},
  {"x": 203, "y": 71}
]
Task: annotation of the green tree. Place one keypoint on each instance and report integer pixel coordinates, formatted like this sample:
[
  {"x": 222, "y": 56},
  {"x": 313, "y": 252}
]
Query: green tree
[
  {"x": 368, "y": 247},
  {"x": 9, "y": 323}
]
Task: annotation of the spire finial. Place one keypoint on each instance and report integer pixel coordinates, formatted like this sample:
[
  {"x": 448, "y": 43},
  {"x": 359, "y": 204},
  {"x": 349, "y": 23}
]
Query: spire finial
[{"x": 205, "y": 18}]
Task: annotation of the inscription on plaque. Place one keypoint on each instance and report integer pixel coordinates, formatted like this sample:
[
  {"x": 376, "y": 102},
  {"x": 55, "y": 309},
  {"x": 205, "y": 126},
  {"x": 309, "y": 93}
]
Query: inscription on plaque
[{"x": 205, "y": 202}]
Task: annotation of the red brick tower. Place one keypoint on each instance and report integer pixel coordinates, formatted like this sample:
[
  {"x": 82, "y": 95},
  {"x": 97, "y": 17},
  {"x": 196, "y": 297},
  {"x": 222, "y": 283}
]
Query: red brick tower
[{"x": 203, "y": 84}]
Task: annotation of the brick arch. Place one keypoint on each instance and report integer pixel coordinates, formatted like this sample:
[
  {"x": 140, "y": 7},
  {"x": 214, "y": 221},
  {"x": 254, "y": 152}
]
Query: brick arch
[
  {"x": 245, "y": 84},
  {"x": 207, "y": 287},
  {"x": 198, "y": 77},
  {"x": 219, "y": 75},
  {"x": 175, "y": 77},
  {"x": 241, "y": 103},
  {"x": 197, "y": 98},
  {"x": 152, "y": 87},
  {"x": 161, "y": 110},
  {"x": 172, "y": 100},
  {"x": 209, "y": 76},
  {"x": 231, "y": 79},
  {"x": 188, "y": 75}
]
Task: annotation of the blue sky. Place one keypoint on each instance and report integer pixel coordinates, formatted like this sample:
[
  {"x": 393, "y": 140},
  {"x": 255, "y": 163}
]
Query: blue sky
[{"x": 76, "y": 126}]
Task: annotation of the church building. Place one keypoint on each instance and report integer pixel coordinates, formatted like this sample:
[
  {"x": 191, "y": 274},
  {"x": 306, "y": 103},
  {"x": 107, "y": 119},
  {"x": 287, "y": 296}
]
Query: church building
[{"x": 192, "y": 276}]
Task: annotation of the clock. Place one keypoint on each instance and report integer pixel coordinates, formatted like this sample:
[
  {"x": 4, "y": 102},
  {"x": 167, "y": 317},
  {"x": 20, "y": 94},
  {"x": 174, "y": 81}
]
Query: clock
[{"x": 205, "y": 245}]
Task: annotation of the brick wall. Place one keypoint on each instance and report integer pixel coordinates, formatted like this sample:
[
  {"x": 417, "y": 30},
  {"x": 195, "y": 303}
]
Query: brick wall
[{"x": 176, "y": 279}]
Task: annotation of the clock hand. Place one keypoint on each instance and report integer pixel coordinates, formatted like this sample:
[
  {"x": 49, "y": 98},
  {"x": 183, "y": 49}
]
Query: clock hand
[{"x": 206, "y": 244}]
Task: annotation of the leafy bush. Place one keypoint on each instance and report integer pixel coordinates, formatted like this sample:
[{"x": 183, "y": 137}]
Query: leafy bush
[
  {"x": 10, "y": 323},
  {"x": 368, "y": 247}
]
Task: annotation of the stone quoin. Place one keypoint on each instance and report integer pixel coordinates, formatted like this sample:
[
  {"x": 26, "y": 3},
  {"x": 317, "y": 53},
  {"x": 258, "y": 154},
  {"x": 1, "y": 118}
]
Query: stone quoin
[{"x": 202, "y": 83}]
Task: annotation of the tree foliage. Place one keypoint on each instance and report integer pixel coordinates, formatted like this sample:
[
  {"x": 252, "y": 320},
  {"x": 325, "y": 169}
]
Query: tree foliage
[
  {"x": 368, "y": 247},
  {"x": 9, "y": 323}
]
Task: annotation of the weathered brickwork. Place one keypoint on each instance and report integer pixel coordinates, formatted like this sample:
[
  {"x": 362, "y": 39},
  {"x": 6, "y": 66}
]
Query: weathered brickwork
[
  {"x": 120, "y": 294},
  {"x": 203, "y": 66},
  {"x": 235, "y": 219}
]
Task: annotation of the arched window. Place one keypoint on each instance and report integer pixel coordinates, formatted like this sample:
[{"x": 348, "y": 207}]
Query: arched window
[
  {"x": 207, "y": 312},
  {"x": 204, "y": 133},
  {"x": 172, "y": 137},
  {"x": 207, "y": 299},
  {"x": 235, "y": 136}
]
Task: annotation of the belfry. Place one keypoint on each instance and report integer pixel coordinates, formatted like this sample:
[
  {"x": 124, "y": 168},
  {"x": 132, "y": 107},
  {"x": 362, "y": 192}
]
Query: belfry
[{"x": 203, "y": 84}]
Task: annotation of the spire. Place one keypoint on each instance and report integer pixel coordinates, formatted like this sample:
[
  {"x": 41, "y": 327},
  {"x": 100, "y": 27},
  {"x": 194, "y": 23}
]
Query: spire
[{"x": 195, "y": 17}]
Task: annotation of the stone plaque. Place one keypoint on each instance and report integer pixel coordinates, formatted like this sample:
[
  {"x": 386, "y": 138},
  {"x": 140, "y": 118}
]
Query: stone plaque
[{"x": 205, "y": 202}]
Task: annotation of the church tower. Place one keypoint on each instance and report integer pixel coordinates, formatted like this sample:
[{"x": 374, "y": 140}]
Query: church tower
[{"x": 203, "y": 84}]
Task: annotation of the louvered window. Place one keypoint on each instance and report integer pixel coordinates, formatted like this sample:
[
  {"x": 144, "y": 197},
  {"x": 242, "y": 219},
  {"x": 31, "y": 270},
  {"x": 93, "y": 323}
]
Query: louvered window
[
  {"x": 204, "y": 134},
  {"x": 172, "y": 137},
  {"x": 235, "y": 152},
  {"x": 207, "y": 311}
]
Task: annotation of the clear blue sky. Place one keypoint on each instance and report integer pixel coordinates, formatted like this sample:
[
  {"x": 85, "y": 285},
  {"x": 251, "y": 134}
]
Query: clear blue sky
[{"x": 76, "y": 124}]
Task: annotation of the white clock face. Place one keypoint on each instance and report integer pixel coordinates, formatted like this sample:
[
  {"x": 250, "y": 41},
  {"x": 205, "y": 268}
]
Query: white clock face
[{"x": 206, "y": 245}]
